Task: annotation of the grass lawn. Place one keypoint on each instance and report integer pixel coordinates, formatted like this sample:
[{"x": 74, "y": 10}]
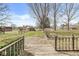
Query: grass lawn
[
  {"x": 11, "y": 36},
  {"x": 58, "y": 32},
  {"x": 66, "y": 33},
  {"x": 34, "y": 33},
  {"x": 8, "y": 37}
]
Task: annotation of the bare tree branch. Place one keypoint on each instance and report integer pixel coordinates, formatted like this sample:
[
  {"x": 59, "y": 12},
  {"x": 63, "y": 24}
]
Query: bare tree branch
[
  {"x": 70, "y": 11},
  {"x": 4, "y": 16},
  {"x": 55, "y": 11},
  {"x": 41, "y": 11}
]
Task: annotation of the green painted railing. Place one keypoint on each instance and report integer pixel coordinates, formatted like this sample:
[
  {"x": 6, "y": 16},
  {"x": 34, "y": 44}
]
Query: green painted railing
[{"x": 16, "y": 48}]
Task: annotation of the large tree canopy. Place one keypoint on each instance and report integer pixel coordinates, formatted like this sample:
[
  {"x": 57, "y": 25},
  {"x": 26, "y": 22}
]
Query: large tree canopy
[{"x": 41, "y": 12}]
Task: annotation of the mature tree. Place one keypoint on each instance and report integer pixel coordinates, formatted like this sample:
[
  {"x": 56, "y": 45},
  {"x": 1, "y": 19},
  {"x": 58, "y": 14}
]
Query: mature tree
[
  {"x": 44, "y": 24},
  {"x": 70, "y": 11},
  {"x": 4, "y": 16},
  {"x": 41, "y": 12},
  {"x": 55, "y": 11}
]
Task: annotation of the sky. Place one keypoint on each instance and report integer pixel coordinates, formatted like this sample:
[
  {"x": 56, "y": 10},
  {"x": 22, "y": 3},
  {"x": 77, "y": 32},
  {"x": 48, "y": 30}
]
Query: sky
[{"x": 20, "y": 14}]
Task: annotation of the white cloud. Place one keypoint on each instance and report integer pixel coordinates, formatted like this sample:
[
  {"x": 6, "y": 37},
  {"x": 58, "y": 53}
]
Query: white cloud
[
  {"x": 24, "y": 17},
  {"x": 20, "y": 20}
]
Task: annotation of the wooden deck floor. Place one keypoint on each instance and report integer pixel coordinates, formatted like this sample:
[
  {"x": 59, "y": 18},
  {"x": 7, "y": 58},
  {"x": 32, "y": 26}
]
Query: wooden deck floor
[{"x": 41, "y": 47}]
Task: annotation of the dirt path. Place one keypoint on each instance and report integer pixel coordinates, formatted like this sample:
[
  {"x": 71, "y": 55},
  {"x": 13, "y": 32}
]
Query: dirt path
[{"x": 41, "y": 47}]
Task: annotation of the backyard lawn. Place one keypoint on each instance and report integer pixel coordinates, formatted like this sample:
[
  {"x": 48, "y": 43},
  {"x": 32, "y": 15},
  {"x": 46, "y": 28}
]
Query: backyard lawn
[
  {"x": 65, "y": 32},
  {"x": 34, "y": 33},
  {"x": 9, "y": 37}
]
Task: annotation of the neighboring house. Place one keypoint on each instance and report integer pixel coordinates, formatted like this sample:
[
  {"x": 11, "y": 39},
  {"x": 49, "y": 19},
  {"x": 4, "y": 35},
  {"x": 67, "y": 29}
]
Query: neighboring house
[
  {"x": 6, "y": 29},
  {"x": 73, "y": 27},
  {"x": 28, "y": 28}
]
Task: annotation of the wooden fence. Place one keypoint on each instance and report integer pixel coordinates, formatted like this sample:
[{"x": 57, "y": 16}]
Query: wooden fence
[
  {"x": 67, "y": 43},
  {"x": 14, "y": 49}
]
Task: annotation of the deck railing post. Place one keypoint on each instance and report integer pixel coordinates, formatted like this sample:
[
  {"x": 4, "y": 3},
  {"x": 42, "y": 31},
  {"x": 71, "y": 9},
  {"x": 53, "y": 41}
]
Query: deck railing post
[
  {"x": 20, "y": 46},
  {"x": 22, "y": 42},
  {"x": 10, "y": 50},
  {"x": 17, "y": 48},
  {"x": 73, "y": 41},
  {"x": 56, "y": 42},
  {"x": 5, "y": 52},
  {"x": 0, "y": 53},
  {"x": 14, "y": 49},
  {"x": 23, "y": 45}
]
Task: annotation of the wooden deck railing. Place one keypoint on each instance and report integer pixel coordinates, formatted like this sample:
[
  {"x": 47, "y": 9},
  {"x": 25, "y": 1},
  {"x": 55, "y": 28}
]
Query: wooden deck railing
[
  {"x": 14, "y": 49},
  {"x": 67, "y": 43}
]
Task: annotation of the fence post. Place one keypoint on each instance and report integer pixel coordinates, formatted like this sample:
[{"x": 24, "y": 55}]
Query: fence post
[
  {"x": 56, "y": 42},
  {"x": 14, "y": 49},
  {"x": 5, "y": 52},
  {"x": 73, "y": 41},
  {"x": 18, "y": 48},
  {"x": 10, "y": 50},
  {"x": 0, "y": 53},
  {"x": 23, "y": 45}
]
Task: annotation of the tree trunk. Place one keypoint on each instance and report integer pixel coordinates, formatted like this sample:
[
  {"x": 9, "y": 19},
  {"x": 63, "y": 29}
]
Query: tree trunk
[
  {"x": 68, "y": 25},
  {"x": 55, "y": 17},
  {"x": 55, "y": 22}
]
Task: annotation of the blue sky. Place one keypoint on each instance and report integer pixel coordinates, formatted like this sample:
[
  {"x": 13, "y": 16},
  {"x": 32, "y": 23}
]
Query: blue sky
[
  {"x": 20, "y": 13},
  {"x": 19, "y": 8}
]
